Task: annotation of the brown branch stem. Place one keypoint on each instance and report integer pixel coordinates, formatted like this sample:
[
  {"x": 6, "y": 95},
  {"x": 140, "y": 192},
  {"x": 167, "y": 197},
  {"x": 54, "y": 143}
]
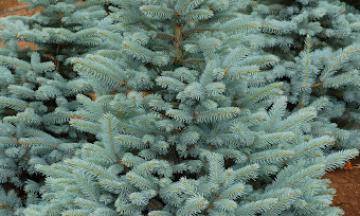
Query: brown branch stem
[{"x": 178, "y": 44}]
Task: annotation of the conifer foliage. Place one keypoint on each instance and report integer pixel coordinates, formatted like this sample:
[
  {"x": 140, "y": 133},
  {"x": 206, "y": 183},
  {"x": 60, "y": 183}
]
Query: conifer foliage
[
  {"x": 187, "y": 123},
  {"x": 176, "y": 107},
  {"x": 37, "y": 92},
  {"x": 318, "y": 42}
]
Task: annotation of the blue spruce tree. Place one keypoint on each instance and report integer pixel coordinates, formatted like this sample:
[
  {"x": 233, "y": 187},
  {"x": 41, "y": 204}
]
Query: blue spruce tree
[
  {"x": 188, "y": 120},
  {"x": 37, "y": 92},
  {"x": 318, "y": 43}
]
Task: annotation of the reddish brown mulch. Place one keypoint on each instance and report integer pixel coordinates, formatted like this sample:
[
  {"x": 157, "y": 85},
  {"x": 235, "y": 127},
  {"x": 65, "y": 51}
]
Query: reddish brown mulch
[
  {"x": 13, "y": 7},
  {"x": 347, "y": 184}
]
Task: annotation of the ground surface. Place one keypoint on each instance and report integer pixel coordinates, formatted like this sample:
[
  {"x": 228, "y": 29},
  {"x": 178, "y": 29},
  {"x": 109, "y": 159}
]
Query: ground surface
[
  {"x": 347, "y": 184},
  {"x": 10, "y": 7}
]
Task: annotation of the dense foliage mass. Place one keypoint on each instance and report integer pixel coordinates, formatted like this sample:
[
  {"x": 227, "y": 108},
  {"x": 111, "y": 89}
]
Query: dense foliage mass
[
  {"x": 37, "y": 92},
  {"x": 177, "y": 107},
  {"x": 318, "y": 43}
]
